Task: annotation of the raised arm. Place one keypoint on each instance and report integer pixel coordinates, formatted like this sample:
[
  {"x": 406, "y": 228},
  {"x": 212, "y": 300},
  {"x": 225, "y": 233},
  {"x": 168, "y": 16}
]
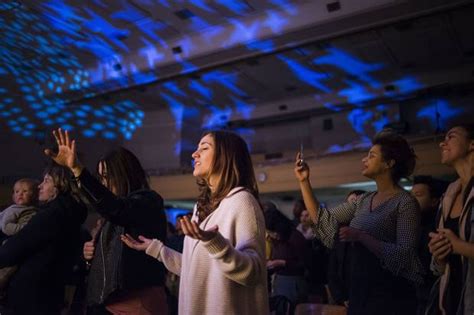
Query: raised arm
[
  {"x": 326, "y": 222},
  {"x": 137, "y": 209},
  {"x": 302, "y": 175},
  {"x": 66, "y": 155}
]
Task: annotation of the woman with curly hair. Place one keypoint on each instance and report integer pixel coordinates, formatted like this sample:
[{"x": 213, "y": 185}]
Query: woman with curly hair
[{"x": 382, "y": 226}]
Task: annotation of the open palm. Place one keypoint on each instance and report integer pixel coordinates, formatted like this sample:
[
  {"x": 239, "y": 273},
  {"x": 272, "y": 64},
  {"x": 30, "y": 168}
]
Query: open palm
[
  {"x": 141, "y": 244},
  {"x": 192, "y": 229},
  {"x": 66, "y": 155}
]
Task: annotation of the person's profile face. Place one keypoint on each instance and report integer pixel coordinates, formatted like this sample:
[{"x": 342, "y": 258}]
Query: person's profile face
[
  {"x": 47, "y": 189},
  {"x": 373, "y": 164},
  {"x": 455, "y": 146},
  {"x": 23, "y": 193},
  {"x": 204, "y": 156}
]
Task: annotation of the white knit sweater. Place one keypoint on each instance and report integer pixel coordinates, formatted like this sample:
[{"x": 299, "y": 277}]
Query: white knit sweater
[{"x": 226, "y": 275}]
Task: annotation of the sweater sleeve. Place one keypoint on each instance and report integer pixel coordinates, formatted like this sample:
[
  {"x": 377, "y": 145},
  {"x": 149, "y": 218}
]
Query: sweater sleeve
[
  {"x": 244, "y": 261},
  {"x": 169, "y": 257},
  {"x": 401, "y": 258},
  {"x": 329, "y": 220}
]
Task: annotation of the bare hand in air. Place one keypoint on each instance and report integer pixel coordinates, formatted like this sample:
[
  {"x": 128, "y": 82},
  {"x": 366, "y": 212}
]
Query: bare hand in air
[
  {"x": 141, "y": 244},
  {"x": 66, "y": 155}
]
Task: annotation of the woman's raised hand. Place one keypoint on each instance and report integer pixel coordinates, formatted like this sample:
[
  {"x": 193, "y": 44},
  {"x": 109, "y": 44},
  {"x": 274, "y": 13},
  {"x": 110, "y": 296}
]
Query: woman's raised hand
[
  {"x": 140, "y": 245},
  {"x": 66, "y": 155},
  {"x": 301, "y": 168},
  {"x": 192, "y": 229}
]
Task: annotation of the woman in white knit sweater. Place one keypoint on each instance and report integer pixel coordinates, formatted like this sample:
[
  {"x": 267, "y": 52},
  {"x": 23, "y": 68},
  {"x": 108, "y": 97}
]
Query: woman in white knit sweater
[{"x": 222, "y": 268}]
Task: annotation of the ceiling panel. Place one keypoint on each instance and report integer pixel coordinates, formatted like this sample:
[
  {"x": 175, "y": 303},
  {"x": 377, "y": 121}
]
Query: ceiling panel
[
  {"x": 463, "y": 24},
  {"x": 422, "y": 43}
]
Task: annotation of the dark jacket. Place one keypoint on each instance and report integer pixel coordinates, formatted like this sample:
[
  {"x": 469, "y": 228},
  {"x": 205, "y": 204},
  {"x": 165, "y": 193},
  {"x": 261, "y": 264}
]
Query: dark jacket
[
  {"x": 116, "y": 268},
  {"x": 44, "y": 251}
]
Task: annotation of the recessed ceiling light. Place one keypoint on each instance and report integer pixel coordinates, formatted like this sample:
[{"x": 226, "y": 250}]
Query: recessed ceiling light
[
  {"x": 177, "y": 50},
  {"x": 184, "y": 14}
]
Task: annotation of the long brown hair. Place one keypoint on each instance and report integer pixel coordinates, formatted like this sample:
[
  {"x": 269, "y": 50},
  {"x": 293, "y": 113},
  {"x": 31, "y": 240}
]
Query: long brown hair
[{"x": 232, "y": 165}]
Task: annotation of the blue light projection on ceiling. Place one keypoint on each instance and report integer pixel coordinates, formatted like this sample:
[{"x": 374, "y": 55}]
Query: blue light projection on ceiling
[
  {"x": 36, "y": 63},
  {"x": 350, "y": 64},
  {"x": 236, "y": 6},
  {"x": 275, "y": 22},
  {"x": 98, "y": 30},
  {"x": 365, "y": 122},
  {"x": 305, "y": 74},
  {"x": 191, "y": 98},
  {"x": 48, "y": 74},
  {"x": 407, "y": 84},
  {"x": 360, "y": 90},
  {"x": 93, "y": 30},
  {"x": 439, "y": 112},
  {"x": 201, "y": 4},
  {"x": 356, "y": 93},
  {"x": 218, "y": 118}
]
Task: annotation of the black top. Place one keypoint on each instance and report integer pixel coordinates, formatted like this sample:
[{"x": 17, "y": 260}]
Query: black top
[
  {"x": 140, "y": 213},
  {"x": 44, "y": 251}
]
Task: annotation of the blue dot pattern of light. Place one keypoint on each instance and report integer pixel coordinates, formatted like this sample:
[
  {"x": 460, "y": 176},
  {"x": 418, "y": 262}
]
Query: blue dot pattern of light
[
  {"x": 39, "y": 70},
  {"x": 38, "y": 63}
]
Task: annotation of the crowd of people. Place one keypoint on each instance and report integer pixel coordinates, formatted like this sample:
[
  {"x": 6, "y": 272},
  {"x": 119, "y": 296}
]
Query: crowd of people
[{"x": 388, "y": 251}]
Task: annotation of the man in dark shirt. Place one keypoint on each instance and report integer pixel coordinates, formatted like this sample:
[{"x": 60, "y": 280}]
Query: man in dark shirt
[{"x": 427, "y": 192}]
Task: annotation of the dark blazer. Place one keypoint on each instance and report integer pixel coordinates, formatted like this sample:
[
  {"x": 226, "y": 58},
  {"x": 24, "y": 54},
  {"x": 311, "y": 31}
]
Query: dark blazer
[
  {"x": 140, "y": 213},
  {"x": 44, "y": 251}
]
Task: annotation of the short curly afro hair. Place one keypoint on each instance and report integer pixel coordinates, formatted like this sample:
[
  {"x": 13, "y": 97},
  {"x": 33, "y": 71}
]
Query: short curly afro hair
[{"x": 395, "y": 148}]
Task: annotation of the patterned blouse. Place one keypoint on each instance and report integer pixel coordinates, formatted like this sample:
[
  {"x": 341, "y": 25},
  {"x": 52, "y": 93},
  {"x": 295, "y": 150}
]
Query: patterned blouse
[{"x": 395, "y": 222}]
